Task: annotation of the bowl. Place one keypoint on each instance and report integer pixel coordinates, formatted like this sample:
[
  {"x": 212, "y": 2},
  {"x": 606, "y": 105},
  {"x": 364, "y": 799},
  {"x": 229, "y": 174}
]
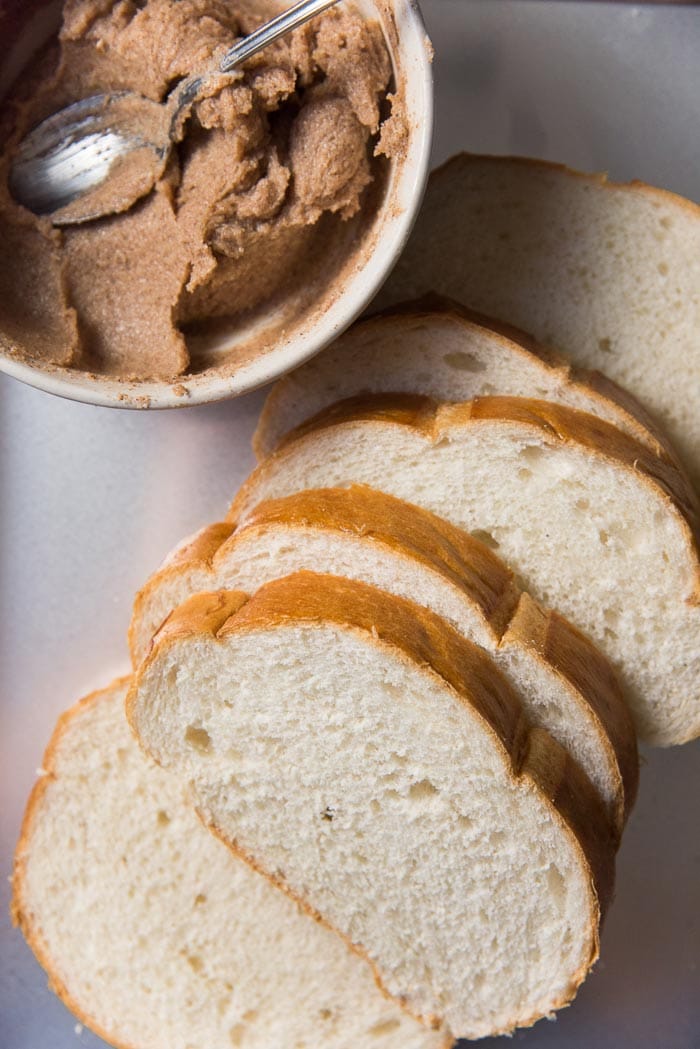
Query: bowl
[{"x": 234, "y": 356}]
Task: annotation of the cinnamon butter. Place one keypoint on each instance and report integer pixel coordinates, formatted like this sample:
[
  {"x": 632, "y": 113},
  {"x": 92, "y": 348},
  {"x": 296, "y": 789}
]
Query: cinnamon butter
[{"x": 277, "y": 165}]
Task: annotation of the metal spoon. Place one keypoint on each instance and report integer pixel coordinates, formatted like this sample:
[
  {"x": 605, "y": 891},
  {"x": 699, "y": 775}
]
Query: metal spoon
[{"x": 61, "y": 167}]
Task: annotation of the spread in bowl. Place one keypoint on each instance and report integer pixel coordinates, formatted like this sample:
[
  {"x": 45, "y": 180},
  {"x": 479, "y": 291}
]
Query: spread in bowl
[{"x": 266, "y": 205}]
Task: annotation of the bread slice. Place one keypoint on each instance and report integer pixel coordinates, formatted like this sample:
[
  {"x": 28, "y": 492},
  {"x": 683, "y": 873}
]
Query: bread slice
[
  {"x": 565, "y": 685},
  {"x": 437, "y": 348},
  {"x": 376, "y": 765},
  {"x": 154, "y": 934},
  {"x": 607, "y": 273},
  {"x": 593, "y": 523}
]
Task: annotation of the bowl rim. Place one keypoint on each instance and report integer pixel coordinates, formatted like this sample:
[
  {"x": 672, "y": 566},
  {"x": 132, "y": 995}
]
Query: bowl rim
[{"x": 400, "y": 207}]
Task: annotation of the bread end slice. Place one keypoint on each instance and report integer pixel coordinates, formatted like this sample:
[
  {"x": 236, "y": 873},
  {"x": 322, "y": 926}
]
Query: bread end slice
[{"x": 122, "y": 894}]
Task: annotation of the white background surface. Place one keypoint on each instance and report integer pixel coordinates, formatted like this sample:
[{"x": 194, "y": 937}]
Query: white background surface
[{"x": 91, "y": 499}]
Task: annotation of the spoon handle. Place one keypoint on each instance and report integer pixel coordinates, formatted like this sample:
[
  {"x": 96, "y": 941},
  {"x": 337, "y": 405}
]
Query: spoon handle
[{"x": 277, "y": 27}]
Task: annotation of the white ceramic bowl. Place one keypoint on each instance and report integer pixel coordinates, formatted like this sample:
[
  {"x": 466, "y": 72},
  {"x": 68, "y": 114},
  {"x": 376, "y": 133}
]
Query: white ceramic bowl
[{"x": 28, "y": 25}]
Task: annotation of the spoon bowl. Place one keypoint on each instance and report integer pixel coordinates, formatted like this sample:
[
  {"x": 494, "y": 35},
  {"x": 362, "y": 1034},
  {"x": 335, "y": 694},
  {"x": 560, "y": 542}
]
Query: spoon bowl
[
  {"x": 100, "y": 155},
  {"x": 104, "y": 152}
]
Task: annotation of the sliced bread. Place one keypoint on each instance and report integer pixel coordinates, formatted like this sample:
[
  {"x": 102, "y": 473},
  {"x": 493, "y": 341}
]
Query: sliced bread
[
  {"x": 154, "y": 934},
  {"x": 437, "y": 348},
  {"x": 594, "y": 524},
  {"x": 565, "y": 685},
  {"x": 367, "y": 758},
  {"x": 607, "y": 273}
]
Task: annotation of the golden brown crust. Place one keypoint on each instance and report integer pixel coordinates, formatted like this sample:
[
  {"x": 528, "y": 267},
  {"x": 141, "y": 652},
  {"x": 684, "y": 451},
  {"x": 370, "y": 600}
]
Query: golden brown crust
[
  {"x": 200, "y": 548},
  {"x": 203, "y": 613},
  {"x": 552, "y": 423},
  {"x": 576, "y": 660},
  {"x": 406, "y": 530},
  {"x": 195, "y": 553},
  {"x": 19, "y": 908}
]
